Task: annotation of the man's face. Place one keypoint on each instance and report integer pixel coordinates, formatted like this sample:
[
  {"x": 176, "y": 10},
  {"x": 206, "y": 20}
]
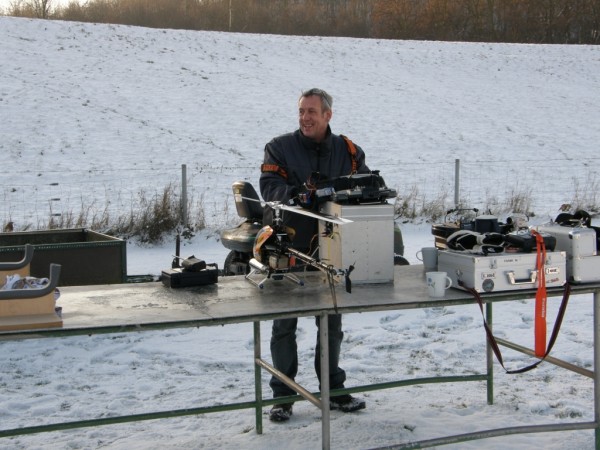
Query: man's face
[{"x": 313, "y": 121}]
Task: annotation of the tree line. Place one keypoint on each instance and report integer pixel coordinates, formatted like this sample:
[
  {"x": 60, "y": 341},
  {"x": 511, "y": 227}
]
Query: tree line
[{"x": 525, "y": 21}]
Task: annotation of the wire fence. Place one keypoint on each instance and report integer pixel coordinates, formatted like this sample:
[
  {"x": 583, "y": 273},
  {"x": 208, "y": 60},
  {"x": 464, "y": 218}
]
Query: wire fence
[
  {"x": 82, "y": 197},
  {"x": 534, "y": 187}
]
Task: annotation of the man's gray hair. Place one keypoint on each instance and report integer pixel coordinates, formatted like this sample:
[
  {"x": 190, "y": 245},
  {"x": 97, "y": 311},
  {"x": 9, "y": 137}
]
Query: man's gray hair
[{"x": 326, "y": 99}]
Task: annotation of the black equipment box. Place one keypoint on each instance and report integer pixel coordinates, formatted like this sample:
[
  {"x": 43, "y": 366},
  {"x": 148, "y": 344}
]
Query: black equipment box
[
  {"x": 177, "y": 277},
  {"x": 525, "y": 242}
]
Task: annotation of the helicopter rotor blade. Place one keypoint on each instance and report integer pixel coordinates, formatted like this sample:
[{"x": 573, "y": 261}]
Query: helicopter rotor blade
[
  {"x": 250, "y": 199},
  {"x": 304, "y": 212},
  {"x": 319, "y": 216}
]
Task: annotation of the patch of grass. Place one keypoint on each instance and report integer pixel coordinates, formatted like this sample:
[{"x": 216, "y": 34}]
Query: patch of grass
[
  {"x": 585, "y": 195},
  {"x": 150, "y": 217},
  {"x": 413, "y": 204},
  {"x": 516, "y": 201}
]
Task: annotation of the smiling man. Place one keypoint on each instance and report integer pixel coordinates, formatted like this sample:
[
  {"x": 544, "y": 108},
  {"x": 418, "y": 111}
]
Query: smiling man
[
  {"x": 291, "y": 164},
  {"x": 292, "y": 161},
  {"x": 314, "y": 114}
]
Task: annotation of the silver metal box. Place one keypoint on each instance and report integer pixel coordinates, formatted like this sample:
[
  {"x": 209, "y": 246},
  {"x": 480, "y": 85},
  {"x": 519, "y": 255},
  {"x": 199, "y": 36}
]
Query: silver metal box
[
  {"x": 367, "y": 243},
  {"x": 501, "y": 272},
  {"x": 579, "y": 243}
]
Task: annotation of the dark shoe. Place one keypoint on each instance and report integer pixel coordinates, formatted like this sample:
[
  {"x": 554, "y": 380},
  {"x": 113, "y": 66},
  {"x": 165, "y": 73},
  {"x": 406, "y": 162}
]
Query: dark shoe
[
  {"x": 281, "y": 413},
  {"x": 346, "y": 403}
]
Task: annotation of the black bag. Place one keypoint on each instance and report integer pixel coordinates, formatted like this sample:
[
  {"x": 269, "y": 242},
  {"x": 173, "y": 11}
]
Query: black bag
[
  {"x": 474, "y": 242},
  {"x": 525, "y": 242}
]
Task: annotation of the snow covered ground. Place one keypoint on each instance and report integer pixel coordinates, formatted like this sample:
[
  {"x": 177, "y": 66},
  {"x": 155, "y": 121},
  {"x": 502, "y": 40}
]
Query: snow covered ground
[
  {"x": 105, "y": 111},
  {"x": 91, "y": 113}
]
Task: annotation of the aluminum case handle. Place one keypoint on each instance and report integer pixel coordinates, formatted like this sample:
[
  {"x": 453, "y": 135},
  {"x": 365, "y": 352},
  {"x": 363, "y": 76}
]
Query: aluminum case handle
[{"x": 512, "y": 279}]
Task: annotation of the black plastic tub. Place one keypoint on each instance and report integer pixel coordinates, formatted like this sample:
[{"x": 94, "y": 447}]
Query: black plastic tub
[{"x": 87, "y": 257}]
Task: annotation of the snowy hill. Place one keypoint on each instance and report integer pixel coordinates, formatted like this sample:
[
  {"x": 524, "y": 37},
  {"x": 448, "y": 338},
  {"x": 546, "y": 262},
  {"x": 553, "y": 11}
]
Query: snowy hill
[{"x": 91, "y": 112}]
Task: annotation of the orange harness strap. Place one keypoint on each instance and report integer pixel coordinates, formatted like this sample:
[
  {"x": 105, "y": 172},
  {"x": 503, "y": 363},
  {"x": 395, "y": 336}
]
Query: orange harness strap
[
  {"x": 352, "y": 150},
  {"x": 275, "y": 169},
  {"x": 541, "y": 297}
]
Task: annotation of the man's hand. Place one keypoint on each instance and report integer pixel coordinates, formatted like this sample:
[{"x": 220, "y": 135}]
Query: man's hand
[{"x": 306, "y": 197}]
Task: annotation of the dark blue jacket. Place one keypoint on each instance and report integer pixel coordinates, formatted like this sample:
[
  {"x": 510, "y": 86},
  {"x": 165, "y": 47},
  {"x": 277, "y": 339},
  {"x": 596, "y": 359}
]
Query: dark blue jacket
[{"x": 289, "y": 162}]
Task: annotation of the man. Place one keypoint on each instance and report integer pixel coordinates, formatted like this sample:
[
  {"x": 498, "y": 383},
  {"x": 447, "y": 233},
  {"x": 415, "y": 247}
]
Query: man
[{"x": 291, "y": 161}]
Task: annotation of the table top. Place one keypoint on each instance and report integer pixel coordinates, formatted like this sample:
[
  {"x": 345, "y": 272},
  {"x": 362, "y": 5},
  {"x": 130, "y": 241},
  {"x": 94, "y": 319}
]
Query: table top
[{"x": 137, "y": 306}]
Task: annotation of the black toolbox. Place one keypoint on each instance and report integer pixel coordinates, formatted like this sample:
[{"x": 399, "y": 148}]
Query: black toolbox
[{"x": 179, "y": 277}]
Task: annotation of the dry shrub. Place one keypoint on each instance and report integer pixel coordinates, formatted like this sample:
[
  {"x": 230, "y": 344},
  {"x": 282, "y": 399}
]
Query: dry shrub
[{"x": 413, "y": 205}]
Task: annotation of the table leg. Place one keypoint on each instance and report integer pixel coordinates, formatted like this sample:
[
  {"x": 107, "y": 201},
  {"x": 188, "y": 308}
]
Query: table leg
[
  {"x": 257, "y": 379},
  {"x": 324, "y": 339},
  {"x": 597, "y": 367},
  {"x": 489, "y": 357}
]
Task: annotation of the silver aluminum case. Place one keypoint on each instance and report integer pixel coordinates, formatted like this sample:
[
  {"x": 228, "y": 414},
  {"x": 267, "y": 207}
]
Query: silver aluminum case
[
  {"x": 367, "y": 243},
  {"x": 583, "y": 261},
  {"x": 501, "y": 272}
]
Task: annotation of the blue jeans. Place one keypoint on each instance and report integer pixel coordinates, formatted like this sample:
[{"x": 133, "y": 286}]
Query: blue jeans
[{"x": 284, "y": 352}]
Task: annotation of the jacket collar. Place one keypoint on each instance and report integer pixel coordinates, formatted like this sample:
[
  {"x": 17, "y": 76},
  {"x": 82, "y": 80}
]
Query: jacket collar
[{"x": 311, "y": 144}]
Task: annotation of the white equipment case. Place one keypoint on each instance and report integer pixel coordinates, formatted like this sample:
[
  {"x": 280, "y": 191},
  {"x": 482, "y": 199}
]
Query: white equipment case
[
  {"x": 367, "y": 243},
  {"x": 502, "y": 271},
  {"x": 579, "y": 243}
]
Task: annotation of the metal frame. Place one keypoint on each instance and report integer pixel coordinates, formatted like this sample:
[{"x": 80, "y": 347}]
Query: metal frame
[{"x": 258, "y": 308}]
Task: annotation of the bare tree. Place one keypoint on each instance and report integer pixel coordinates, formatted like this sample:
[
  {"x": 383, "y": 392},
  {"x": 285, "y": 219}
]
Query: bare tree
[
  {"x": 41, "y": 8},
  {"x": 531, "y": 21}
]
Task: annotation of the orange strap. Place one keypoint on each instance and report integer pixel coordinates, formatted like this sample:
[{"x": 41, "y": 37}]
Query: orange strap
[
  {"x": 275, "y": 169},
  {"x": 541, "y": 297},
  {"x": 352, "y": 150}
]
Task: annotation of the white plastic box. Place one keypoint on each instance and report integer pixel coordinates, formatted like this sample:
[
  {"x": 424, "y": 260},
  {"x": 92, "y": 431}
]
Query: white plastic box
[
  {"x": 503, "y": 271},
  {"x": 367, "y": 243},
  {"x": 579, "y": 243}
]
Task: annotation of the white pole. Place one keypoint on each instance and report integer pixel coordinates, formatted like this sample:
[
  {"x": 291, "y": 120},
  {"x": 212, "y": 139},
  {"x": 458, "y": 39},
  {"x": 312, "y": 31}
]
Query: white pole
[
  {"x": 184, "y": 196},
  {"x": 456, "y": 182}
]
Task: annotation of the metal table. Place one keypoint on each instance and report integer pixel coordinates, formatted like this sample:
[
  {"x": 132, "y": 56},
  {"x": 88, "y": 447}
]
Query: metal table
[{"x": 152, "y": 306}]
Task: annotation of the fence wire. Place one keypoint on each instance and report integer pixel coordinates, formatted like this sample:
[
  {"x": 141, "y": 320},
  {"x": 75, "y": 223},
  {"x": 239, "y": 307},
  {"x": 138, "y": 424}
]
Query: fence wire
[{"x": 33, "y": 201}]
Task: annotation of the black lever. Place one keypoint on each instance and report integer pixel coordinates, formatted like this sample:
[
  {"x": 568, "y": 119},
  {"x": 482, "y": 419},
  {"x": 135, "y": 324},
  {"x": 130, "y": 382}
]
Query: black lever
[{"x": 348, "y": 281}]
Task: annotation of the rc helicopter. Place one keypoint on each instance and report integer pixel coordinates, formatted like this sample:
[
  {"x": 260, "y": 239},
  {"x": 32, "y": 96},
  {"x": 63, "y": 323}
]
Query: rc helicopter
[
  {"x": 263, "y": 252},
  {"x": 273, "y": 256},
  {"x": 239, "y": 240}
]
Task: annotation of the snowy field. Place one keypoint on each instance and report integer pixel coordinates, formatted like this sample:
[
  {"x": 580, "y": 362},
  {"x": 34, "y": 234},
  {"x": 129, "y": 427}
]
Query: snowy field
[{"x": 92, "y": 114}]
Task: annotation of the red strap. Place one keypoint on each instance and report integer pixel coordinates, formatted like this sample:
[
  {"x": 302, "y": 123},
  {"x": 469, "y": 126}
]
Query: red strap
[
  {"x": 352, "y": 150},
  {"x": 541, "y": 297}
]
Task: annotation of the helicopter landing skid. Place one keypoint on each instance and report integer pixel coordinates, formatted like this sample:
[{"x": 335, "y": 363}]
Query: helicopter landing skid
[{"x": 266, "y": 272}]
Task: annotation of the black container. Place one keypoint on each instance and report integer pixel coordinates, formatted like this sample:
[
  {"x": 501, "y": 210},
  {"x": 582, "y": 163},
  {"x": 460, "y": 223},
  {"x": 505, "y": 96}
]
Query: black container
[{"x": 487, "y": 224}]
